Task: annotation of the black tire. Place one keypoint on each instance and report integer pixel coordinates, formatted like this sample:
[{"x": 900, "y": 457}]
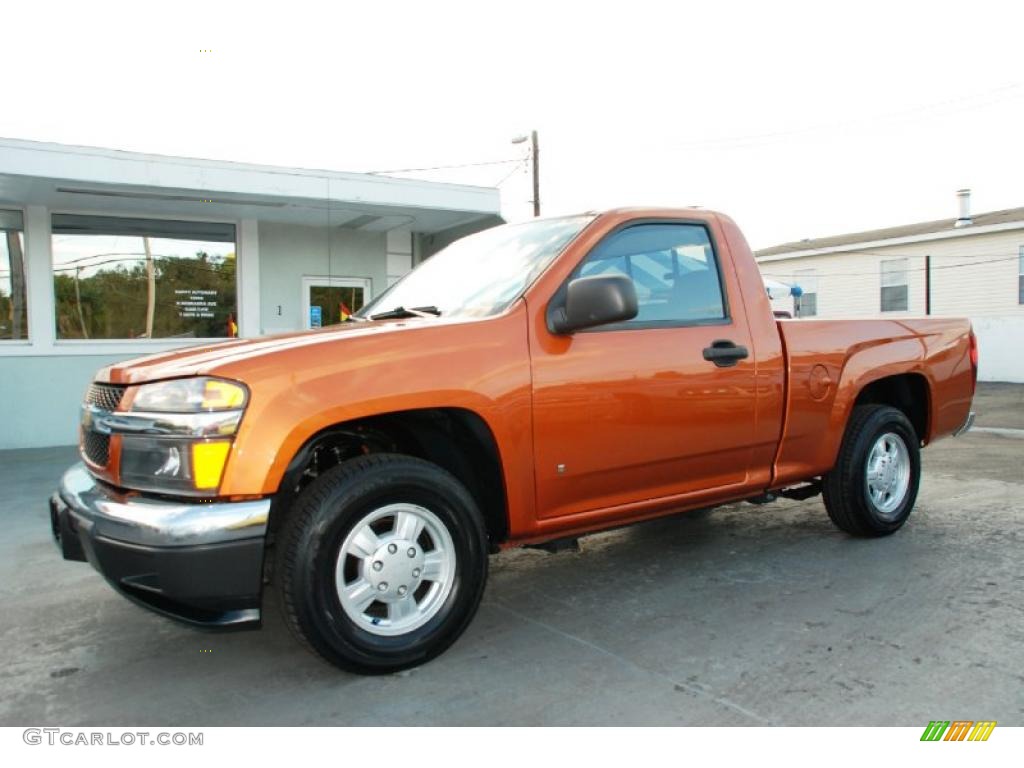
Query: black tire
[
  {"x": 325, "y": 513},
  {"x": 844, "y": 488}
]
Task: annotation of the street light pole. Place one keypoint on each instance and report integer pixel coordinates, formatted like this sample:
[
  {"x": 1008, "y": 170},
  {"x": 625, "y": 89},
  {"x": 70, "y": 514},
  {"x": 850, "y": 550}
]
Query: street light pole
[
  {"x": 535, "y": 162},
  {"x": 535, "y": 156}
]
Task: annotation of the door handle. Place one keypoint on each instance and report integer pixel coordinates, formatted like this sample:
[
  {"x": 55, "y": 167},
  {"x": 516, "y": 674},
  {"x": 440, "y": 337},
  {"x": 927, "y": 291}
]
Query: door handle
[{"x": 725, "y": 353}]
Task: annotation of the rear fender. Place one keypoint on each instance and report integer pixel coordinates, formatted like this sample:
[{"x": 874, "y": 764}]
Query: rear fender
[
  {"x": 862, "y": 368},
  {"x": 817, "y": 413}
]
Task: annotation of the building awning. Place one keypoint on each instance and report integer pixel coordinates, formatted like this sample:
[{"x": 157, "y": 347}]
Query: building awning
[{"x": 66, "y": 178}]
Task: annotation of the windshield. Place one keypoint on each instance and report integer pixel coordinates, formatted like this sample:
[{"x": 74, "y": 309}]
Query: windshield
[{"x": 481, "y": 274}]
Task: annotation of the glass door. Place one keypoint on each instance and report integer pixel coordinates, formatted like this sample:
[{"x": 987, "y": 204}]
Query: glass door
[{"x": 331, "y": 300}]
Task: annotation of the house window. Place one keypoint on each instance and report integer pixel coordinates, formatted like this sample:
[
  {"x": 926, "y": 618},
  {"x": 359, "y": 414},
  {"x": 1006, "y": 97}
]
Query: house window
[
  {"x": 807, "y": 303},
  {"x": 13, "y": 311},
  {"x": 894, "y": 285},
  {"x": 127, "y": 278}
]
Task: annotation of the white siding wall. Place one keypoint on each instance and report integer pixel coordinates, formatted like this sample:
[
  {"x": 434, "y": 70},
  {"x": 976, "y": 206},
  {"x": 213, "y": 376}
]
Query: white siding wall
[
  {"x": 289, "y": 252},
  {"x": 399, "y": 256},
  {"x": 972, "y": 276}
]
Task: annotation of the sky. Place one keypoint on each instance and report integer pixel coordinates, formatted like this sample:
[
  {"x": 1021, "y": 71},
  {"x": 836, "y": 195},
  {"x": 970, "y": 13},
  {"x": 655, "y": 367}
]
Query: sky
[{"x": 797, "y": 119}]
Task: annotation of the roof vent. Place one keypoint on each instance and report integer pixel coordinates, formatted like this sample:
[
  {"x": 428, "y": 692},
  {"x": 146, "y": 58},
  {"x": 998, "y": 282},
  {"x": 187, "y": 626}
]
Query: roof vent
[{"x": 964, "y": 199}]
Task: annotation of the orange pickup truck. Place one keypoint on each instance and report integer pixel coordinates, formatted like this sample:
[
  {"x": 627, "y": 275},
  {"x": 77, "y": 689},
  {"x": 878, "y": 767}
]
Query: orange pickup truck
[{"x": 525, "y": 385}]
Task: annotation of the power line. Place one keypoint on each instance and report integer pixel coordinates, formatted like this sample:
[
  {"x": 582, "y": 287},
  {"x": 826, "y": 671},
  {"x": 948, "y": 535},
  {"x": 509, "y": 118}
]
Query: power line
[
  {"x": 921, "y": 112},
  {"x": 141, "y": 255},
  {"x": 447, "y": 167},
  {"x": 934, "y": 268},
  {"x": 511, "y": 173},
  {"x": 210, "y": 266}
]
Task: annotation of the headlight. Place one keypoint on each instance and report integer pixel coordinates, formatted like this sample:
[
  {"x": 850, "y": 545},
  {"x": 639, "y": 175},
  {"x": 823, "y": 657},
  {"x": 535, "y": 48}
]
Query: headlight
[
  {"x": 175, "y": 466},
  {"x": 190, "y": 396},
  {"x": 177, "y": 435}
]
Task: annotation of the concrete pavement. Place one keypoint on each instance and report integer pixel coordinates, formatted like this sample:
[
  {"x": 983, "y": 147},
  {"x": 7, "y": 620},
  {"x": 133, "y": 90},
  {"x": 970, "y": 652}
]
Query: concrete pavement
[{"x": 742, "y": 616}]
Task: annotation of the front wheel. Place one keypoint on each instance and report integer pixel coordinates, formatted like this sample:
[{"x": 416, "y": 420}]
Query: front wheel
[
  {"x": 383, "y": 563},
  {"x": 873, "y": 486}
]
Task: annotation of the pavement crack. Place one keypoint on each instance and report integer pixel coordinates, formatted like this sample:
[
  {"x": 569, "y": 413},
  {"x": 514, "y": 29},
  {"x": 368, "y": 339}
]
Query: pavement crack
[{"x": 698, "y": 690}]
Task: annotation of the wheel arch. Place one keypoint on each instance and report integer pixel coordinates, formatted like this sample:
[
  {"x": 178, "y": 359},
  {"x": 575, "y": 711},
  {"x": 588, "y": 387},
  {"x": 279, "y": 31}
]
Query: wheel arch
[
  {"x": 457, "y": 439},
  {"x": 886, "y": 373},
  {"x": 907, "y": 392}
]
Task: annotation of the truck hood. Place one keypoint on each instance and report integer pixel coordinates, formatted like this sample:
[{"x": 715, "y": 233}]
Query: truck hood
[{"x": 214, "y": 358}]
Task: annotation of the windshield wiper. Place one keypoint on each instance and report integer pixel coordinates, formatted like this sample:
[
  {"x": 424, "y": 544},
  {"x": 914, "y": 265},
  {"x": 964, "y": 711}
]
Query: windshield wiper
[{"x": 430, "y": 311}]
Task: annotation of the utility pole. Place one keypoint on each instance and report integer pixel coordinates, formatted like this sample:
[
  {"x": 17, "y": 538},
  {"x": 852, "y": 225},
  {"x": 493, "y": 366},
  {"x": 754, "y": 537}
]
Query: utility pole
[
  {"x": 535, "y": 162},
  {"x": 535, "y": 157},
  {"x": 150, "y": 288},
  {"x": 16, "y": 258},
  {"x": 928, "y": 284},
  {"x": 78, "y": 303}
]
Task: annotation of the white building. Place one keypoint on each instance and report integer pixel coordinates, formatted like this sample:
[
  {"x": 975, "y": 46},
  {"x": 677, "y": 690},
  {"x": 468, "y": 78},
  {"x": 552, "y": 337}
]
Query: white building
[
  {"x": 107, "y": 255},
  {"x": 968, "y": 266}
]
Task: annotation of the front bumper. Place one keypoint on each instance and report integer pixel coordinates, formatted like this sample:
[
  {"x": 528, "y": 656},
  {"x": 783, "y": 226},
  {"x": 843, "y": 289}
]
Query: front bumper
[{"x": 201, "y": 563}]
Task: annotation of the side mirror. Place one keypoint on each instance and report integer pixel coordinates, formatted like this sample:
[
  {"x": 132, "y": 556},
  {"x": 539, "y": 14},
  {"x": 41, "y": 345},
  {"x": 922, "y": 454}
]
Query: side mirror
[{"x": 592, "y": 301}]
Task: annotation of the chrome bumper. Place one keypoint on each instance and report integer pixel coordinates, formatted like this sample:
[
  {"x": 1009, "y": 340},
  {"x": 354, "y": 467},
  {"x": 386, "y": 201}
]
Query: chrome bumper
[
  {"x": 200, "y": 563},
  {"x": 968, "y": 423},
  {"x": 157, "y": 523}
]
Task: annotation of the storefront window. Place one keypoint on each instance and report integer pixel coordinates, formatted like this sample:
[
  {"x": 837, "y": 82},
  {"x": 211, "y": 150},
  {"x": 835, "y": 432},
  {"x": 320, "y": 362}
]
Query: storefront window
[
  {"x": 13, "y": 312},
  {"x": 333, "y": 300},
  {"x": 126, "y": 278}
]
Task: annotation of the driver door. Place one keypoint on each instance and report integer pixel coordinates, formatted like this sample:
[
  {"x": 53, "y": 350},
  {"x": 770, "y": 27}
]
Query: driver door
[{"x": 633, "y": 413}]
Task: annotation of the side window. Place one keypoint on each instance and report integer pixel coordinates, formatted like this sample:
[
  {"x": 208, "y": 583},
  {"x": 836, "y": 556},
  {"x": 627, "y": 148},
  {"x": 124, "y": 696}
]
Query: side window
[
  {"x": 894, "y": 285},
  {"x": 1020, "y": 276},
  {"x": 672, "y": 266},
  {"x": 807, "y": 303}
]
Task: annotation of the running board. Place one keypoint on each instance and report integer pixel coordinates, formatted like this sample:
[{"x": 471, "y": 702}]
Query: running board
[
  {"x": 799, "y": 493},
  {"x": 802, "y": 492}
]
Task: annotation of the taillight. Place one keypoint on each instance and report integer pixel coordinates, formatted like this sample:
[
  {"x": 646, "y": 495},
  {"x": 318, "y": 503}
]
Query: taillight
[{"x": 974, "y": 356}]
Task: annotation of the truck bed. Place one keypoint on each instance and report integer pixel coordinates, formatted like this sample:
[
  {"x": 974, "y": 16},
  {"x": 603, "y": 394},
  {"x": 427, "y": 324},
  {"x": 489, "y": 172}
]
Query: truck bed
[{"x": 830, "y": 362}]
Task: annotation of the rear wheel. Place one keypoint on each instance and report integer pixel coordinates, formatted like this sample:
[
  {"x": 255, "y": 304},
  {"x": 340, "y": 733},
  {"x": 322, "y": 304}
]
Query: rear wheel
[
  {"x": 872, "y": 488},
  {"x": 383, "y": 563}
]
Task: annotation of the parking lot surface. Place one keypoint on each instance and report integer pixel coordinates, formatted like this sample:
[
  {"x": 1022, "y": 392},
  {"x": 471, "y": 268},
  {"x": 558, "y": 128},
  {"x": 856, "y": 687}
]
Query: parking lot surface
[{"x": 746, "y": 615}]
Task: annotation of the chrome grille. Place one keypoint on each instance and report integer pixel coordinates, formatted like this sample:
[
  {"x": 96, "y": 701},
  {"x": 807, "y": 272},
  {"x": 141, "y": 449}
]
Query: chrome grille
[
  {"x": 105, "y": 396},
  {"x": 96, "y": 447}
]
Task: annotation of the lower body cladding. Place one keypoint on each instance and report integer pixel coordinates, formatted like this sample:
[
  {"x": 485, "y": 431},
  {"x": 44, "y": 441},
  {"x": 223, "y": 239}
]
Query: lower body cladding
[{"x": 201, "y": 563}]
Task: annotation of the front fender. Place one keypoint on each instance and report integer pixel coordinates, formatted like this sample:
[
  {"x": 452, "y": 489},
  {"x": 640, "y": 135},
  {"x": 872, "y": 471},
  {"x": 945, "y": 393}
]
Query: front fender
[{"x": 296, "y": 392}]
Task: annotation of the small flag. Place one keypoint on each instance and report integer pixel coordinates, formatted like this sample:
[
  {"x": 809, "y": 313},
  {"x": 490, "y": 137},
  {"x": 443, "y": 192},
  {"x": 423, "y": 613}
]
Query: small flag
[{"x": 344, "y": 311}]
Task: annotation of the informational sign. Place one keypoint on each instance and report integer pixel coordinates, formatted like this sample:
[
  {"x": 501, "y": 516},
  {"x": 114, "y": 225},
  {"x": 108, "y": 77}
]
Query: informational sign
[
  {"x": 195, "y": 302},
  {"x": 316, "y": 317}
]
